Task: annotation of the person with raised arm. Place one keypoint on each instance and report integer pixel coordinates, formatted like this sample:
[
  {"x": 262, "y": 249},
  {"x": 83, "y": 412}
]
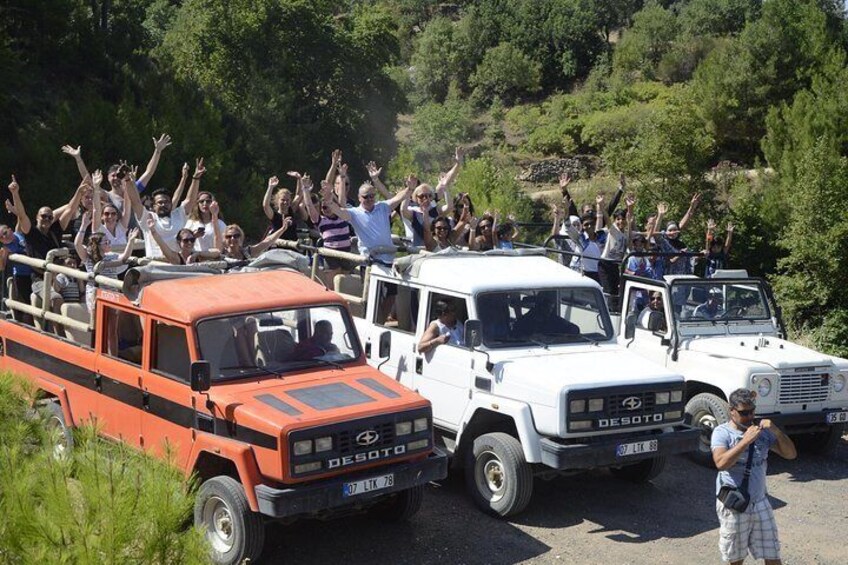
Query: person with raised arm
[
  {"x": 374, "y": 175},
  {"x": 335, "y": 232},
  {"x": 617, "y": 240},
  {"x": 716, "y": 250},
  {"x": 107, "y": 218},
  {"x": 14, "y": 242},
  {"x": 98, "y": 250},
  {"x": 679, "y": 265},
  {"x": 279, "y": 206},
  {"x": 200, "y": 222},
  {"x": 168, "y": 221},
  {"x": 371, "y": 220},
  {"x": 424, "y": 197},
  {"x": 233, "y": 246},
  {"x": 186, "y": 244}
]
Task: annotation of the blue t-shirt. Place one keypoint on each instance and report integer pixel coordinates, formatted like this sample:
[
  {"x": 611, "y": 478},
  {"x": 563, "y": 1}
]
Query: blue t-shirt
[
  {"x": 374, "y": 229},
  {"x": 18, "y": 246},
  {"x": 727, "y": 436}
]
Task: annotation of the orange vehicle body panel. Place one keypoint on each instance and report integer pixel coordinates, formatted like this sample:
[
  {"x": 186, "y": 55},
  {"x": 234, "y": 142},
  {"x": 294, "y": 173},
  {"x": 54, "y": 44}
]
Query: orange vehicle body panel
[{"x": 159, "y": 414}]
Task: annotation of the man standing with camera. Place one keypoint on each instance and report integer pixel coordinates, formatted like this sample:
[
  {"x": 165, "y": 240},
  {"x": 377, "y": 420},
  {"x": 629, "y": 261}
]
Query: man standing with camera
[{"x": 740, "y": 452}]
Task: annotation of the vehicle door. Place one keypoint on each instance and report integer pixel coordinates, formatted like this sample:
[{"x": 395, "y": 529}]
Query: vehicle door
[
  {"x": 169, "y": 415},
  {"x": 639, "y": 300},
  {"x": 394, "y": 308},
  {"x": 119, "y": 373},
  {"x": 443, "y": 374}
]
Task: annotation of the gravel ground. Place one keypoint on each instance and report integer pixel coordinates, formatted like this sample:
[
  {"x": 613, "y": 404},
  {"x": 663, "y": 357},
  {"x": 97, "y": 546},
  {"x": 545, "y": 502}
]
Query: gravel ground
[{"x": 588, "y": 518}]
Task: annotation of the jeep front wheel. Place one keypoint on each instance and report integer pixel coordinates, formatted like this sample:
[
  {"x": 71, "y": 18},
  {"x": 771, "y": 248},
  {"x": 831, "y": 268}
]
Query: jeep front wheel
[
  {"x": 706, "y": 411},
  {"x": 401, "y": 506},
  {"x": 498, "y": 477},
  {"x": 235, "y": 533},
  {"x": 821, "y": 443},
  {"x": 58, "y": 432}
]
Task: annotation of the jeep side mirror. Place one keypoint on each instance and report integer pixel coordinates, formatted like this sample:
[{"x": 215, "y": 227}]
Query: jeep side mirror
[
  {"x": 385, "y": 349},
  {"x": 630, "y": 325},
  {"x": 472, "y": 333},
  {"x": 655, "y": 321},
  {"x": 201, "y": 376}
]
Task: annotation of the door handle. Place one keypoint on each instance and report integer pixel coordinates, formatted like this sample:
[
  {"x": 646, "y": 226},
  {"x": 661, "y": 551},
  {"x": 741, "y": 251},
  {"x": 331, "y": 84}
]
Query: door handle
[{"x": 419, "y": 365}]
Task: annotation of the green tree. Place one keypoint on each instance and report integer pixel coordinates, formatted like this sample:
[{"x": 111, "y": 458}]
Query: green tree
[
  {"x": 492, "y": 187},
  {"x": 644, "y": 44},
  {"x": 506, "y": 73},
  {"x": 438, "y": 128},
  {"x": 435, "y": 60},
  {"x": 718, "y": 17}
]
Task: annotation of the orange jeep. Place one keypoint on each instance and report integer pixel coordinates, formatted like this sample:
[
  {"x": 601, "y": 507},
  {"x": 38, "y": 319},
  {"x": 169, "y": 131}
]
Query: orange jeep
[{"x": 255, "y": 382}]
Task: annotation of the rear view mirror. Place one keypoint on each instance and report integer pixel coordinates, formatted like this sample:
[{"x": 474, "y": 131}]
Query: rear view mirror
[
  {"x": 201, "y": 376},
  {"x": 472, "y": 334},
  {"x": 655, "y": 321},
  {"x": 630, "y": 325},
  {"x": 385, "y": 349}
]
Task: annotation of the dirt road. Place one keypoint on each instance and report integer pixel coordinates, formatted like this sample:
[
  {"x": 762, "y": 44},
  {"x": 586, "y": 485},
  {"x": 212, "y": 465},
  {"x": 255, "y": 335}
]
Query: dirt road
[{"x": 589, "y": 518}]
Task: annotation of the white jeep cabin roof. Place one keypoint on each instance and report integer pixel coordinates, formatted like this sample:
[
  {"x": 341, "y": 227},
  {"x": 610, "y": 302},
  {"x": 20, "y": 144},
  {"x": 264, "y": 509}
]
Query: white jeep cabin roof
[{"x": 470, "y": 274}]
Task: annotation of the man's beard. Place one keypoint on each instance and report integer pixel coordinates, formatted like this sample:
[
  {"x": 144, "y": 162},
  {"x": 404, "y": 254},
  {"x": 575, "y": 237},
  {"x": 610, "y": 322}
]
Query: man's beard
[{"x": 163, "y": 213}]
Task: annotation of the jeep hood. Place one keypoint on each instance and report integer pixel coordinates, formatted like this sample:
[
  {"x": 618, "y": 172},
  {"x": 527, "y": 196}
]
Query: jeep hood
[
  {"x": 776, "y": 353},
  {"x": 542, "y": 377}
]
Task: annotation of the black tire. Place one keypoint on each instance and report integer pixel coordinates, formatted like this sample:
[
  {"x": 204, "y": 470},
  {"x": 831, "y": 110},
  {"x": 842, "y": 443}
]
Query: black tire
[
  {"x": 233, "y": 530},
  {"x": 401, "y": 506},
  {"x": 706, "y": 411},
  {"x": 821, "y": 443},
  {"x": 59, "y": 434},
  {"x": 497, "y": 476},
  {"x": 640, "y": 472}
]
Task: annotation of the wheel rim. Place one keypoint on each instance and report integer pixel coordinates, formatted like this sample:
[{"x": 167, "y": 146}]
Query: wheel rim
[
  {"x": 490, "y": 475},
  {"x": 218, "y": 521},
  {"x": 706, "y": 422},
  {"x": 57, "y": 436}
]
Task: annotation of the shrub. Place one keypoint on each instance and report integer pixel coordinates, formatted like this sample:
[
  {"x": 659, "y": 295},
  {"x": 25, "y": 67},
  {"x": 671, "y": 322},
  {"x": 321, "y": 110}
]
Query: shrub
[
  {"x": 438, "y": 128},
  {"x": 493, "y": 188},
  {"x": 505, "y": 72},
  {"x": 104, "y": 503}
]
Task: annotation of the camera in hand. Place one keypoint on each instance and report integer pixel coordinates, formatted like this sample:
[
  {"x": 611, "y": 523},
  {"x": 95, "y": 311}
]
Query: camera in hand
[{"x": 122, "y": 172}]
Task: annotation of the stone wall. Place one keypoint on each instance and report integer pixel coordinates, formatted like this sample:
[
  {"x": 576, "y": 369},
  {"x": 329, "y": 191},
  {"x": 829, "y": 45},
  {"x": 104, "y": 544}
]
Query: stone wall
[{"x": 549, "y": 170}]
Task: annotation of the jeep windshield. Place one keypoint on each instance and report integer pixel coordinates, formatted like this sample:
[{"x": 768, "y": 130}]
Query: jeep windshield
[
  {"x": 701, "y": 300},
  {"x": 277, "y": 341},
  {"x": 543, "y": 317}
]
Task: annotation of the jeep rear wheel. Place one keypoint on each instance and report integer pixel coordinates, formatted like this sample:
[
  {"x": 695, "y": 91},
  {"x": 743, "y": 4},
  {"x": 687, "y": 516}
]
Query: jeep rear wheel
[
  {"x": 640, "y": 472},
  {"x": 401, "y": 506},
  {"x": 58, "y": 433},
  {"x": 497, "y": 476},
  {"x": 821, "y": 443},
  {"x": 706, "y": 411},
  {"x": 233, "y": 530}
]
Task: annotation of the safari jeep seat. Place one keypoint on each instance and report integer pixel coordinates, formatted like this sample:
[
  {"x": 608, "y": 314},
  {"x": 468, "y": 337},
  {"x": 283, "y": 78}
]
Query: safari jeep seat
[
  {"x": 77, "y": 311},
  {"x": 273, "y": 345},
  {"x": 352, "y": 285}
]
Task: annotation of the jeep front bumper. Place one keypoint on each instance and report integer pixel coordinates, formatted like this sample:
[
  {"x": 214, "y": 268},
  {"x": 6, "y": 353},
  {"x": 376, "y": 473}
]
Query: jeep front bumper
[
  {"x": 603, "y": 451},
  {"x": 801, "y": 422},
  {"x": 328, "y": 495}
]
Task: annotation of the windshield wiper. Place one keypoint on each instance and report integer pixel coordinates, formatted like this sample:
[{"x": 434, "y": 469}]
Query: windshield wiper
[{"x": 254, "y": 367}]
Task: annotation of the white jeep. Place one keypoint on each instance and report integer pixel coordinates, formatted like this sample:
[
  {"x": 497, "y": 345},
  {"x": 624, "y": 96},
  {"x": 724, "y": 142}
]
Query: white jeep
[
  {"x": 725, "y": 333},
  {"x": 539, "y": 386}
]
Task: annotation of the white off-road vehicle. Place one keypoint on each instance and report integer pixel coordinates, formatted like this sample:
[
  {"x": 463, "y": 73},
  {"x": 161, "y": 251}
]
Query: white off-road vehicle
[
  {"x": 725, "y": 333},
  {"x": 539, "y": 384}
]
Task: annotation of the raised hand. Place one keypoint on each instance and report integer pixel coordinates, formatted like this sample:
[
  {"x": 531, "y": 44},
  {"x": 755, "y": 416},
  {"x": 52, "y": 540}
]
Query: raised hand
[
  {"x": 185, "y": 170},
  {"x": 199, "y": 169},
  {"x": 343, "y": 169},
  {"x": 161, "y": 143},
  {"x": 622, "y": 181},
  {"x": 287, "y": 223},
  {"x": 372, "y": 169},
  {"x": 86, "y": 219},
  {"x": 10, "y": 207},
  {"x": 411, "y": 181},
  {"x": 214, "y": 208},
  {"x": 711, "y": 224},
  {"x": 337, "y": 157},
  {"x": 13, "y": 186},
  {"x": 564, "y": 180},
  {"x": 70, "y": 150},
  {"x": 662, "y": 208},
  {"x": 97, "y": 178},
  {"x": 274, "y": 181},
  {"x": 465, "y": 215},
  {"x": 459, "y": 154},
  {"x": 630, "y": 200},
  {"x": 134, "y": 172},
  {"x": 134, "y": 234},
  {"x": 151, "y": 223},
  {"x": 696, "y": 198},
  {"x": 730, "y": 227},
  {"x": 307, "y": 183},
  {"x": 599, "y": 200}
]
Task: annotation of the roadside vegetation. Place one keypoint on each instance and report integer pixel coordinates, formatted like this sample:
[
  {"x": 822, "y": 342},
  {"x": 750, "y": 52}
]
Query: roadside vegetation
[{"x": 99, "y": 503}]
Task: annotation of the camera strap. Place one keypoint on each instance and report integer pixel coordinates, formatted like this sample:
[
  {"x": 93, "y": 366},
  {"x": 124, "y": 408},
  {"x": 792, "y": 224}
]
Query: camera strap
[{"x": 743, "y": 488}]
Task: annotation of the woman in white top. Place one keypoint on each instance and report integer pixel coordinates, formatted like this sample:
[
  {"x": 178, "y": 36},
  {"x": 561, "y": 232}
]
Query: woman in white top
[
  {"x": 444, "y": 329},
  {"x": 200, "y": 222},
  {"x": 107, "y": 218}
]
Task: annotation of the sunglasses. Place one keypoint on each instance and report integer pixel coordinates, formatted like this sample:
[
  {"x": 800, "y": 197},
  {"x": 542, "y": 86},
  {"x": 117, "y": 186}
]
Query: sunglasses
[
  {"x": 745, "y": 413},
  {"x": 46, "y": 216},
  {"x": 441, "y": 228},
  {"x": 110, "y": 213},
  {"x": 367, "y": 196},
  {"x": 233, "y": 236},
  {"x": 425, "y": 196},
  {"x": 485, "y": 226},
  {"x": 188, "y": 240},
  {"x": 656, "y": 299},
  {"x": 204, "y": 201}
]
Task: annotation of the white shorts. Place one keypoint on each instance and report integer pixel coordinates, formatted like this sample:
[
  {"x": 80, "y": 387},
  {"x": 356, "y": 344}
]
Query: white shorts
[{"x": 754, "y": 530}]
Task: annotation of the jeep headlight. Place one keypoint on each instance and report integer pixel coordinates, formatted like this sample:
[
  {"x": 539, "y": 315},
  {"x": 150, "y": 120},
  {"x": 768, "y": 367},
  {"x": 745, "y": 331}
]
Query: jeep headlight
[
  {"x": 303, "y": 447},
  {"x": 838, "y": 383},
  {"x": 577, "y": 406},
  {"x": 323, "y": 444},
  {"x": 403, "y": 428},
  {"x": 662, "y": 397},
  {"x": 596, "y": 404},
  {"x": 763, "y": 387},
  {"x": 419, "y": 425}
]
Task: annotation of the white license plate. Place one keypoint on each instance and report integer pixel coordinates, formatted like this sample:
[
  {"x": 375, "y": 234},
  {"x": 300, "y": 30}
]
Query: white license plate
[
  {"x": 369, "y": 485},
  {"x": 837, "y": 417},
  {"x": 625, "y": 449}
]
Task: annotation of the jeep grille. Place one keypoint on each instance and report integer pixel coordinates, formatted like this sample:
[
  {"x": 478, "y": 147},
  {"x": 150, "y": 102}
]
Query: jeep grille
[{"x": 806, "y": 387}]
